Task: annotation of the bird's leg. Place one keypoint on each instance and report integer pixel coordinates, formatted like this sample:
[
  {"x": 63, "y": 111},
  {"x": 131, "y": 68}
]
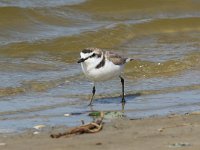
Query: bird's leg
[
  {"x": 93, "y": 93},
  {"x": 122, "y": 81},
  {"x": 123, "y": 105}
]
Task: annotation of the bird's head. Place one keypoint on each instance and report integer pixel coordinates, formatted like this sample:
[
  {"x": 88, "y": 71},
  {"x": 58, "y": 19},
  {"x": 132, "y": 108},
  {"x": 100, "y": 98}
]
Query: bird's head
[{"x": 89, "y": 55}]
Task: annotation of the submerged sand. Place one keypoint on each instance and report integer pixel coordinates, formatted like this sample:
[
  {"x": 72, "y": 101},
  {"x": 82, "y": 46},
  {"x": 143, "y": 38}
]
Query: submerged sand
[{"x": 161, "y": 133}]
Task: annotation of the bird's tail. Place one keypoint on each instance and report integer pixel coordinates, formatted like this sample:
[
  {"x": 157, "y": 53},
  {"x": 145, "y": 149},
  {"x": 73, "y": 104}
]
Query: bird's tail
[{"x": 129, "y": 59}]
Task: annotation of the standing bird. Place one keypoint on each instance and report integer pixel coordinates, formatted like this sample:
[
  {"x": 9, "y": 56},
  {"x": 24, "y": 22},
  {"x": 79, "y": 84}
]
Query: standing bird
[{"x": 99, "y": 65}]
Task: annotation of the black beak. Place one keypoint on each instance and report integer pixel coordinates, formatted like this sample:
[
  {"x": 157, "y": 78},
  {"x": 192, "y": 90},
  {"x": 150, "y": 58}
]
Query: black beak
[{"x": 81, "y": 60}]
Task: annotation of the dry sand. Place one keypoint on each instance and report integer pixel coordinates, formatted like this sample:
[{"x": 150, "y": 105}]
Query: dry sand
[{"x": 180, "y": 132}]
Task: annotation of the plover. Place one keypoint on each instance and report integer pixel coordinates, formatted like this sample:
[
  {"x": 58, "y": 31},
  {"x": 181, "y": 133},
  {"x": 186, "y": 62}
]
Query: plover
[{"x": 99, "y": 65}]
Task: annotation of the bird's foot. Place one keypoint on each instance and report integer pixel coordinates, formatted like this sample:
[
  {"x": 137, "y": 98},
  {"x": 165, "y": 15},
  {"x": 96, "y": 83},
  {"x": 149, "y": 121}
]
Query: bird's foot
[
  {"x": 90, "y": 104},
  {"x": 123, "y": 101}
]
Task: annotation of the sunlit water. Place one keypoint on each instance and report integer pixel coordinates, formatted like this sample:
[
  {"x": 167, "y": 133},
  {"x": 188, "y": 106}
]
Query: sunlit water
[{"x": 40, "y": 42}]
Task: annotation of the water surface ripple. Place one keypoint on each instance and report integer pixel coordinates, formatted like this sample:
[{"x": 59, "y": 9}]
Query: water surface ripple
[{"x": 40, "y": 80}]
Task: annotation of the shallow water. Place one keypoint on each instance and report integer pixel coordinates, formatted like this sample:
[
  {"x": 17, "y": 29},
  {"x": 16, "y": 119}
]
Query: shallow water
[{"x": 40, "y": 80}]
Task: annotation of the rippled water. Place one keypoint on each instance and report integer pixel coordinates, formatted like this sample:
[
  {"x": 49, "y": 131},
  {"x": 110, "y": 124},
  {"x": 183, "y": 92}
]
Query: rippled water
[{"x": 40, "y": 41}]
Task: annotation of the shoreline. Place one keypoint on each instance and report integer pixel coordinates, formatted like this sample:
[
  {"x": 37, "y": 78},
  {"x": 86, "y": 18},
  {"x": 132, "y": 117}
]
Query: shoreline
[{"x": 172, "y": 131}]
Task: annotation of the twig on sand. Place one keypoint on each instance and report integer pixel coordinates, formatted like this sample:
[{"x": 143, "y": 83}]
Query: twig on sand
[{"x": 92, "y": 127}]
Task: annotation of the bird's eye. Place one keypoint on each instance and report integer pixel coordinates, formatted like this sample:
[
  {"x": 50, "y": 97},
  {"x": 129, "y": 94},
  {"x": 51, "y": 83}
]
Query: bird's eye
[{"x": 93, "y": 55}]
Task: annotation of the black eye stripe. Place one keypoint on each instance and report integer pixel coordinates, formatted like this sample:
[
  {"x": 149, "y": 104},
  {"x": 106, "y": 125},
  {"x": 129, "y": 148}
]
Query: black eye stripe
[
  {"x": 93, "y": 55},
  {"x": 97, "y": 55},
  {"x": 86, "y": 51}
]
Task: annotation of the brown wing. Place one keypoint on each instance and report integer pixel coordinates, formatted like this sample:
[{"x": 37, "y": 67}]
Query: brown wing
[{"x": 115, "y": 58}]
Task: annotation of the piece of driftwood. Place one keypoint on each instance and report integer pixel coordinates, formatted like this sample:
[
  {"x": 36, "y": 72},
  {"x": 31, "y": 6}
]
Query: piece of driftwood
[{"x": 92, "y": 127}]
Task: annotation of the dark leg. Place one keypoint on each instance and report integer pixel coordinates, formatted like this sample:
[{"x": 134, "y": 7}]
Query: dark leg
[
  {"x": 122, "y": 81},
  {"x": 93, "y": 93},
  {"x": 123, "y": 105}
]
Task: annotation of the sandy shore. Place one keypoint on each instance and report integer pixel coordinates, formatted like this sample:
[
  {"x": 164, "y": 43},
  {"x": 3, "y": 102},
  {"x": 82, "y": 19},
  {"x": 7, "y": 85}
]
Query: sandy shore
[{"x": 156, "y": 133}]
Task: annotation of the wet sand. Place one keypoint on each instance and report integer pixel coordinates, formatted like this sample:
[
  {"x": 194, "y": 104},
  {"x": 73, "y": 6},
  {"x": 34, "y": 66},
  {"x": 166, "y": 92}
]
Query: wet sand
[{"x": 169, "y": 132}]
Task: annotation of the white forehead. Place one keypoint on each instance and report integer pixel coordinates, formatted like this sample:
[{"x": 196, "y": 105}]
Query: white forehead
[
  {"x": 89, "y": 51},
  {"x": 84, "y": 55}
]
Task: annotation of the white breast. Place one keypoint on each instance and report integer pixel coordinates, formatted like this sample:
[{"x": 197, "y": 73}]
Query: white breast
[{"x": 108, "y": 71}]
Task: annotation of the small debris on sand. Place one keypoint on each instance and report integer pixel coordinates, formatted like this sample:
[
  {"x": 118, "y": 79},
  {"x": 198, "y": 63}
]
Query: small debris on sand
[
  {"x": 38, "y": 127},
  {"x": 177, "y": 145},
  {"x": 2, "y": 144}
]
